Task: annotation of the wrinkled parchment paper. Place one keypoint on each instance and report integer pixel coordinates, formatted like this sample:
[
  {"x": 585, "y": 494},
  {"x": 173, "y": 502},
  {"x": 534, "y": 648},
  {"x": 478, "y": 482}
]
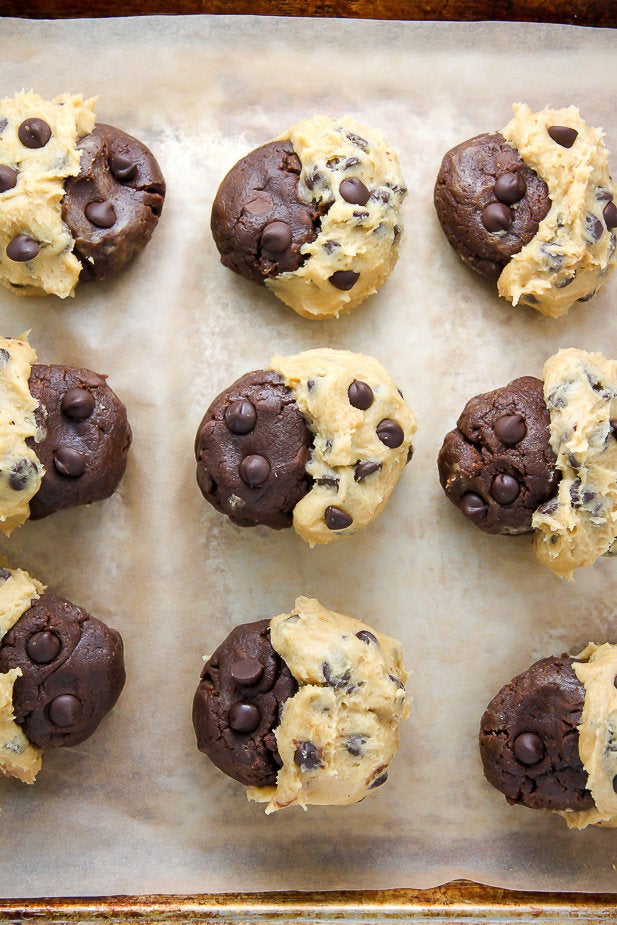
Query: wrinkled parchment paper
[{"x": 137, "y": 809}]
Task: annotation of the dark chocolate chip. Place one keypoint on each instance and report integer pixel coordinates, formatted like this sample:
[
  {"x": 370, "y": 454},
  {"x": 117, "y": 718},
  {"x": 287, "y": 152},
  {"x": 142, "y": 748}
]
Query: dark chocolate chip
[
  {"x": 354, "y": 191},
  {"x": 22, "y": 248},
  {"x": 593, "y": 227},
  {"x": 246, "y": 671},
  {"x": 101, "y": 214},
  {"x": 240, "y": 417},
  {"x": 615, "y": 783},
  {"x": 336, "y": 519},
  {"x": 363, "y": 469},
  {"x": 355, "y": 743},
  {"x": 367, "y": 637},
  {"x": 122, "y": 167},
  {"x": 505, "y": 489},
  {"x": 528, "y": 748},
  {"x": 244, "y": 717},
  {"x": 276, "y": 238},
  {"x": 358, "y": 141},
  {"x": 4, "y": 574},
  {"x": 510, "y": 188},
  {"x": 69, "y": 462},
  {"x": 473, "y": 505},
  {"x": 360, "y": 395},
  {"x": 254, "y": 470},
  {"x": 5, "y": 356},
  {"x": 328, "y": 480},
  {"x": 307, "y": 756},
  {"x": 344, "y": 279},
  {"x": 259, "y": 205},
  {"x": 379, "y": 780},
  {"x": 563, "y": 135},
  {"x": 8, "y": 178},
  {"x": 333, "y": 680},
  {"x": 510, "y": 429},
  {"x": 64, "y": 710},
  {"x": 610, "y": 215},
  {"x": 390, "y": 433},
  {"x": 20, "y": 474},
  {"x": 43, "y": 647},
  {"x": 497, "y": 217},
  {"x": 34, "y": 133},
  {"x": 77, "y": 404},
  {"x": 330, "y": 246},
  {"x": 397, "y": 681}
]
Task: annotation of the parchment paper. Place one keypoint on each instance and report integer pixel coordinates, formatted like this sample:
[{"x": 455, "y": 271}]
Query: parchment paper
[{"x": 137, "y": 809}]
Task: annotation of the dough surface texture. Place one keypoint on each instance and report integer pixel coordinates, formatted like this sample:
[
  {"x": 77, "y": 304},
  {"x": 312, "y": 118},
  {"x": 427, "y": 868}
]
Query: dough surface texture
[{"x": 339, "y": 732}]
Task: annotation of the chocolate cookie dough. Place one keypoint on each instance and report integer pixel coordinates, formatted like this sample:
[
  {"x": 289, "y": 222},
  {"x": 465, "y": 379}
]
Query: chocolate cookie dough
[
  {"x": 542, "y": 457},
  {"x": 304, "y": 708},
  {"x": 533, "y": 207},
  {"x": 318, "y": 441},
  {"x": 547, "y": 739},
  {"x": 61, "y": 672},
  {"x": 77, "y": 201},
  {"x": 313, "y": 215},
  {"x": 64, "y": 436}
]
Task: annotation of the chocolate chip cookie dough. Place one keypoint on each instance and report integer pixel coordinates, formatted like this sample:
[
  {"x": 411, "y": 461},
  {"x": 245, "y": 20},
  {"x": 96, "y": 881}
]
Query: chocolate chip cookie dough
[
  {"x": 304, "y": 708},
  {"x": 77, "y": 200},
  {"x": 533, "y": 207},
  {"x": 64, "y": 436},
  {"x": 61, "y": 672},
  {"x": 542, "y": 457},
  {"x": 317, "y": 441},
  {"x": 547, "y": 739},
  {"x": 314, "y": 215}
]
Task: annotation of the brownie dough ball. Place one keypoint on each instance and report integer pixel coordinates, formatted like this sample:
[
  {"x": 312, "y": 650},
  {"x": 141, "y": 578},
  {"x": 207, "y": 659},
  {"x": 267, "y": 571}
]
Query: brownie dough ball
[
  {"x": 86, "y": 438},
  {"x": 72, "y": 671},
  {"x": 529, "y": 740},
  {"x": 252, "y": 448},
  {"x": 113, "y": 205},
  {"x": 497, "y": 465},
  {"x": 239, "y": 702},
  {"x": 489, "y": 202}
]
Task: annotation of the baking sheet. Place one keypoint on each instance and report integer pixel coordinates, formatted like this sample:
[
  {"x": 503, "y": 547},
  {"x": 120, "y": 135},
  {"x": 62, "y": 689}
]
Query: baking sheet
[{"x": 137, "y": 809}]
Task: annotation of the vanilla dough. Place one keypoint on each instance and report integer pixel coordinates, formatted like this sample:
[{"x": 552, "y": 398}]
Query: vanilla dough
[
  {"x": 362, "y": 431},
  {"x": 339, "y": 732}
]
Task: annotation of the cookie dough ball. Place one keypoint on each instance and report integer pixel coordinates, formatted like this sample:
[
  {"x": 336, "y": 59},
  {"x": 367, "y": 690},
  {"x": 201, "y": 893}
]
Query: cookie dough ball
[
  {"x": 547, "y": 739},
  {"x": 497, "y": 465},
  {"x": 77, "y": 201},
  {"x": 318, "y": 441},
  {"x": 533, "y": 207},
  {"x": 304, "y": 708},
  {"x": 314, "y": 215}
]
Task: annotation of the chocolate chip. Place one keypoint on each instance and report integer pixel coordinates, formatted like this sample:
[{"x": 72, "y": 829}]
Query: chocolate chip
[
  {"x": 354, "y": 191},
  {"x": 355, "y": 743},
  {"x": 563, "y": 135},
  {"x": 593, "y": 227},
  {"x": 69, "y": 462},
  {"x": 22, "y": 248},
  {"x": 240, "y": 417},
  {"x": 254, "y": 470},
  {"x": 244, "y": 717},
  {"x": 360, "y": 395},
  {"x": 510, "y": 188},
  {"x": 510, "y": 429},
  {"x": 358, "y": 141},
  {"x": 379, "y": 780},
  {"x": 328, "y": 480},
  {"x": 497, "y": 217},
  {"x": 276, "y": 238},
  {"x": 34, "y": 133},
  {"x": 505, "y": 489},
  {"x": 101, "y": 214},
  {"x": 473, "y": 505},
  {"x": 21, "y": 474},
  {"x": 307, "y": 756},
  {"x": 390, "y": 433},
  {"x": 330, "y": 246},
  {"x": 43, "y": 647},
  {"x": 367, "y": 637},
  {"x": 259, "y": 205},
  {"x": 8, "y": 178},
  {"x": 5, "y": 356},
  {"x": 397, "y": 681},
  {"x": 4, "y": 574},
  {"x": 363, "y": 469},
  {"x": 528, "y": 748},
  {"x": 77, "y": 404},
  {"x": 615, "y": 783},
  {"x": 336, "y": 519},
  {"x": 610, "y": 215},
  {"x": 246, "y": 671},
  {"x": 333, "y": 680},
  {"x": 344, "y": 279},
  {"x": 64, "y": 710},
  {"x": 3, "y": 125},
  {"x": 122, "y": 167}
]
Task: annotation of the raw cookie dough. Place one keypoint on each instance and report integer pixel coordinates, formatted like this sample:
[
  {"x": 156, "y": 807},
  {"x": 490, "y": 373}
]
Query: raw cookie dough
[
  {"x": 64, "y": 436},
  {"x": 61, "y": 672},
  {"x": 542, "y": 457},
  {"x": 76, "y": 202},
  {"x": 315, "y": 697},
  {"x": 534, "y": 206},
  {"x": 318, "y": 440},
  {"x": 314, "y": 215},
  {"x": 547, "y": 739}
]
